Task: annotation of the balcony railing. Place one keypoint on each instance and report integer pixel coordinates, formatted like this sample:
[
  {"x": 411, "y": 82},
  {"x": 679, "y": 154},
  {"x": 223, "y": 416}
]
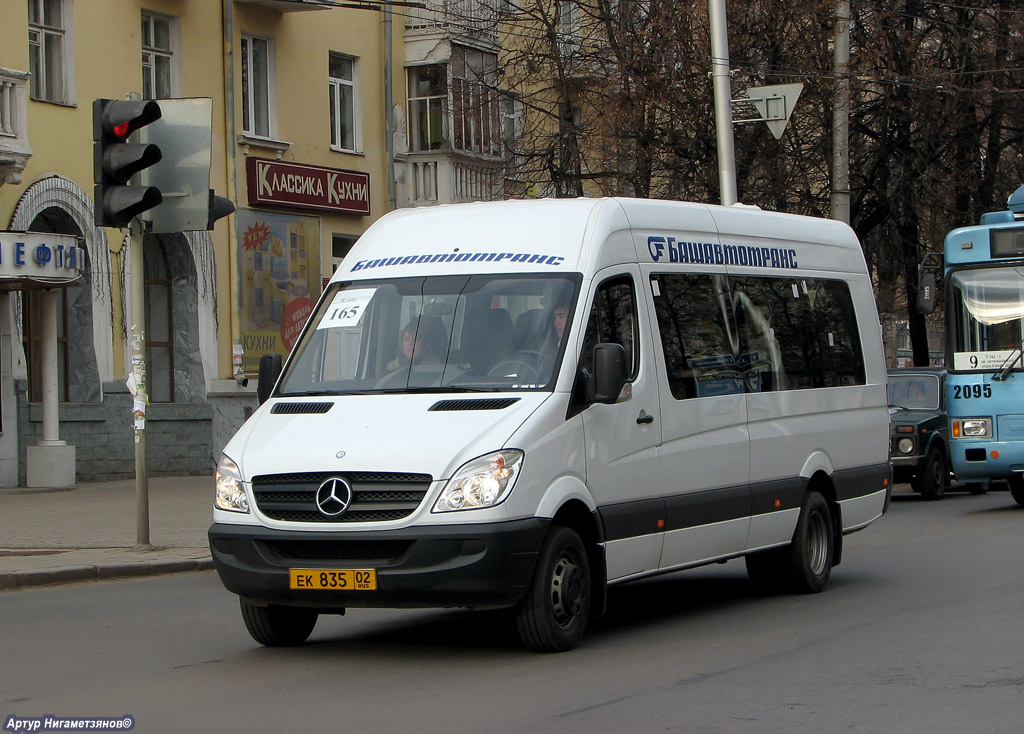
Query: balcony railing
[
  {"x": 14, "y": 148},
  {"x": 470, "y": 18},
  {"x": 448, "y": 178}
]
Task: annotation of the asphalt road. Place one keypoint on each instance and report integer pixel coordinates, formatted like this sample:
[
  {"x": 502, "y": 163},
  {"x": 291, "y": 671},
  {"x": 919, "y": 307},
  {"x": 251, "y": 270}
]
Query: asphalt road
[{"x": 921, "y": 630}]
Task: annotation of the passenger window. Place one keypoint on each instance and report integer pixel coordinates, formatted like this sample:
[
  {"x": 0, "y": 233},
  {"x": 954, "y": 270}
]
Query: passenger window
[
  {"x": 796, "y": 333},
  {"x": 613, "y": 320},
  {"x": 694, "y": 323}
]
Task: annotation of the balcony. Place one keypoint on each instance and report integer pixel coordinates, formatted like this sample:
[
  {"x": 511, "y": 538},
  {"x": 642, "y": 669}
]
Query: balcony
[
  {"x": 471, "y": 22},
  {"x": 290, "y": 6},
  {"x": 14, "y": 149},
  {"x": 451, "y": 178}
]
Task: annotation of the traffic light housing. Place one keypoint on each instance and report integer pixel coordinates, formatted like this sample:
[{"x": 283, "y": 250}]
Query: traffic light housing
[{"x": 115, "y": 160}]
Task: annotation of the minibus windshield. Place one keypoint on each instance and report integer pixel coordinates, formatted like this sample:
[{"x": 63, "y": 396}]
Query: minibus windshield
[{"x": 466, "y": 333}]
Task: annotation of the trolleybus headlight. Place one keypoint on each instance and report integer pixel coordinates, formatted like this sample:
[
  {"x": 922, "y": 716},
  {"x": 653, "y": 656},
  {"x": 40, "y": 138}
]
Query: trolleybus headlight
[
  {"x": 482, "y": 482},
  {"x": 975, "y": 427},
  {"x": 230, "y": 493},
  {"x": 906, "y": 446}
]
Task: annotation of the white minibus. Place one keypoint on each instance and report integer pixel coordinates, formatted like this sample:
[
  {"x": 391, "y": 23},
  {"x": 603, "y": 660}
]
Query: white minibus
[{"x": 520, "y": 403}]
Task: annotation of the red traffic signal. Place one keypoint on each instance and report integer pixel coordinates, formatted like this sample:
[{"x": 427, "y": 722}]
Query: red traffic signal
[{"x": 116, "y": 161}]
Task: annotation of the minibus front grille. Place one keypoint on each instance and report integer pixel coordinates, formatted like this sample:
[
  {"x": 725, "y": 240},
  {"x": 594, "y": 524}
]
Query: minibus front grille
[
  {"x": 376, "y": 497},
  {"x": 378, "y": 551}
]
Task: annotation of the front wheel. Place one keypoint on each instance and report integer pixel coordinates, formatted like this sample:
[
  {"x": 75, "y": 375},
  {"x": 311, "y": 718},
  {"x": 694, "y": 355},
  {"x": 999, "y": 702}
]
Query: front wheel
[
  {"x": 931, "y": 483},
  {"x": 278, "y": 626},
  {"x": 1016, "y": 483},
  {"x": 553, "y": 614}
]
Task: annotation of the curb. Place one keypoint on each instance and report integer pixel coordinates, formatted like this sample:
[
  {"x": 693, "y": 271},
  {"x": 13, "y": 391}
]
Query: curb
[{"x": 25, "y": 579}]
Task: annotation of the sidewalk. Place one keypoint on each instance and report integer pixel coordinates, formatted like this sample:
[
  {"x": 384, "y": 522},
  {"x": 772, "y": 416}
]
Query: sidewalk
[{"x": 57, "y": 536}]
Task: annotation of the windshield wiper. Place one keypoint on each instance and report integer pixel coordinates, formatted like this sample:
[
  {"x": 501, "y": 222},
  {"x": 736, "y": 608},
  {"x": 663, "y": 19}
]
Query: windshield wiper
[{"x": 1007, "y": 366}]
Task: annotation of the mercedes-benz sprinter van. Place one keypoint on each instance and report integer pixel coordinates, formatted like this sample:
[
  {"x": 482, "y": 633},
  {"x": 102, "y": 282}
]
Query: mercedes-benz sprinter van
[{"x": 517, "y": 404}]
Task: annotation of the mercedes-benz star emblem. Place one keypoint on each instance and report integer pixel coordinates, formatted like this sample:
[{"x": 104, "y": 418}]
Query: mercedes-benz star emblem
[{"x": 333, "y": 497}]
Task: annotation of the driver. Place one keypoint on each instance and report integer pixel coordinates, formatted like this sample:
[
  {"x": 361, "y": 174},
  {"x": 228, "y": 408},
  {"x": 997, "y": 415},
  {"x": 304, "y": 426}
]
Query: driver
[{"x": 423, "y": 341}]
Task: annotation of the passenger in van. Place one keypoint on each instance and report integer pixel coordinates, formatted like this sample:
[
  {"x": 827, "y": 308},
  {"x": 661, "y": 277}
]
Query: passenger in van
[{"x": 423, "y": 342}]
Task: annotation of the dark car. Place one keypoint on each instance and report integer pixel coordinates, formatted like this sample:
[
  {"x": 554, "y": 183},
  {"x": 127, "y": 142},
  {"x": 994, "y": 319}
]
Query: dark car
[{"x": 920, "y": 431}]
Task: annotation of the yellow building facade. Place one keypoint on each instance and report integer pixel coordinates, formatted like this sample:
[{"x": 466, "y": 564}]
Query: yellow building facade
[{"x": 302, "y": 143}]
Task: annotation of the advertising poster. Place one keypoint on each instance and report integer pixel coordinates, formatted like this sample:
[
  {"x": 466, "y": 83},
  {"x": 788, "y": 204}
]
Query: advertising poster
[{"x": 279, "y": 264}]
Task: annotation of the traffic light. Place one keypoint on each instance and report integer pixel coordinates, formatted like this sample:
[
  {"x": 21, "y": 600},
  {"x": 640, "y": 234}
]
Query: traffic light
[{"x": 115, "y": 160}]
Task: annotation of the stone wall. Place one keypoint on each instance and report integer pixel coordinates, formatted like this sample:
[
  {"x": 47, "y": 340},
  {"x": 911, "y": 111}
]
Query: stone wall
[{"x": 179, "y": 436}]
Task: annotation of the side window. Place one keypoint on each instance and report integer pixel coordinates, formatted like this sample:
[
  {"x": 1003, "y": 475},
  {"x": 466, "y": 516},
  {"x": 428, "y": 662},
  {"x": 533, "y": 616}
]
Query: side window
[
  {"x": 797, "y": 333},
  {"x": 613, "y": 320},
  {"x": 696, "y": 333}
]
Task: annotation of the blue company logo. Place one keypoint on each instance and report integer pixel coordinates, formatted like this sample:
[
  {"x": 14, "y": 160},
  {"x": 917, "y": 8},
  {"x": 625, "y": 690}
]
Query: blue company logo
[
  {"x": 713, "y": 253},
  {"x": 458, "y": 257}
]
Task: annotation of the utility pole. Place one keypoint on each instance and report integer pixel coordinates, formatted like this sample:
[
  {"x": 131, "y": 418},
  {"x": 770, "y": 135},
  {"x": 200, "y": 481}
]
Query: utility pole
[
  {"x": 722, "y": 83},
  {"x": 840, "y": 200},
  {"x": 137, "y": 378}
]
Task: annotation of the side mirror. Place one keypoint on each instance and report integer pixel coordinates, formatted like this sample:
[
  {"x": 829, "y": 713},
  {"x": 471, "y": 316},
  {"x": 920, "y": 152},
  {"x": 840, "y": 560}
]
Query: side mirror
[
  {"x": 270, "y": 370},
  {"x": 609, "y": 372},
  {"x": 926, "y": 293}
]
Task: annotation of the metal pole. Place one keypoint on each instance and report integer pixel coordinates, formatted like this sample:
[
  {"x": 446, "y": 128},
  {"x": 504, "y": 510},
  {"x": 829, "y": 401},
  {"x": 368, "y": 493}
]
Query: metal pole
[
  {"x": 723, "y": 95},
  {"x": 138, "y": 377},
  {"x": 840, "y": 200},
  {"x": 389, "y": 103}
]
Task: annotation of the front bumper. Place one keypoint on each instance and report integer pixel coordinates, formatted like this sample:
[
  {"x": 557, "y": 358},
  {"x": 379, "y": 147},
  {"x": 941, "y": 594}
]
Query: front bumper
[{"x": 474, "y": 566}]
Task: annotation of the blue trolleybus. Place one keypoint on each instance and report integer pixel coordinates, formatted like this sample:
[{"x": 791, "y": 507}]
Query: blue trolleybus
[{"x": 984, "y": 270}]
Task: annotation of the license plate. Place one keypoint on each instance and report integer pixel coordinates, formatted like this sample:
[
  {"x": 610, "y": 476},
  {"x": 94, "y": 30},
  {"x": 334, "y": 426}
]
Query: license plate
[{"x": 330, "y": 579}]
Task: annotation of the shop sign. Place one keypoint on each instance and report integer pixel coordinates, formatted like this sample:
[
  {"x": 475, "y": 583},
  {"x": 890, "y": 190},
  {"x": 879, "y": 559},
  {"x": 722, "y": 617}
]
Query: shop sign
[
  {"x": 305, "y": 186},
  {"x": 47, "y": 258}
]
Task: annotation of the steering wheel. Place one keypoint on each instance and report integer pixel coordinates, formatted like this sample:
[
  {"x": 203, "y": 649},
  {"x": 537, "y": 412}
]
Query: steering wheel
[
  {"x": 522, "y": 365},
  {"x": 393, "y": 379}
]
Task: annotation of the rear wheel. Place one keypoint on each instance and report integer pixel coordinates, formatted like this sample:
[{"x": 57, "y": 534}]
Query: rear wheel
[
  {"x": 806, "y": 563},
  {"x": 932, "y": 480},
  {"x": 553, "y": 614},
  {"x": 1016, "y": 483},
  {"x": 277, "y": 626}
]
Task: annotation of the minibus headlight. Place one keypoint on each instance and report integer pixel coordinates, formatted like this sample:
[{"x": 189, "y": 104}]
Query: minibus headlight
[
  {"x": 230, "y": 493},
  {"x": 906, "y": 445},
  {"x": 482, "y": 482}
]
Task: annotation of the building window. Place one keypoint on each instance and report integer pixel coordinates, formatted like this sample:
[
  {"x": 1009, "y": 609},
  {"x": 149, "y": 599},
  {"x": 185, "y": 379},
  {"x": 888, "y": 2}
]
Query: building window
[
  {"x": 257, "y": 69},
  {"x": 475, "y": 102},
  {"x": 49, "y": 42},
  {"x": 157, "y": 56},
  {"x": 428, "y": 104},
  {"x": 340, "y": 246},
  {"x": 159, "y": 323},
  {"x": 343, "y": 82}
]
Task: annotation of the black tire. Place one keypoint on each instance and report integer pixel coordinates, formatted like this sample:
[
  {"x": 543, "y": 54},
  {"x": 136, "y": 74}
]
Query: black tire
[
  {"x": 804, "y": 565},
  {"x": 277, "y": 626},
  {"x": 1017, "y": 488},
  {"x": 554, "y": 612},
  {"x": 931, "y": 482},
  {"x": 813, "y": 546}
]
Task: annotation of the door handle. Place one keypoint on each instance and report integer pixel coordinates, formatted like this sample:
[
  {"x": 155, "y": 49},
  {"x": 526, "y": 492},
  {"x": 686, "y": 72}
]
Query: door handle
[{"x": 643, "y": 418}]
